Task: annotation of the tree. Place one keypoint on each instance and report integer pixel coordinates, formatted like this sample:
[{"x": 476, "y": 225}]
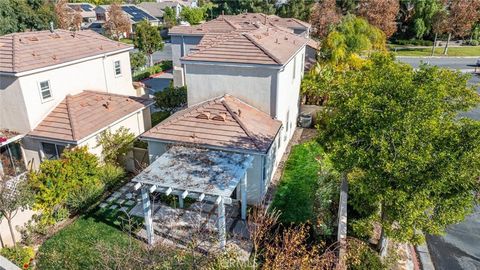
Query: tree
[
  {"x": 148, "y": 39},
  {"x": 439, "y": 26},
  {"x": 115, "y": 145},
  {"x": 193, "y": 15},
  {"x": 19, "y": 15},
  {"x": 171, "y": 98},
  {"x": 347, "y": 6},
  {"x": 353, "y": 35},
  {"x": 169, "y": 17},
  {"x": 67, "y": 18},
  {"x": 15, "y": 195},
  {"x": 117, "y": 24},
  {"x": 412, "y": 162},
  {"x": 230, "y": 7},
  {"x": 324, "y": 17},
  {"x": 138, "y": 60},
  {"x": 299, "y": 9},
  {"x": 462, "y": 14},
  {"x": 423, "y": 16},
  {"x": 380, "y": 13}
]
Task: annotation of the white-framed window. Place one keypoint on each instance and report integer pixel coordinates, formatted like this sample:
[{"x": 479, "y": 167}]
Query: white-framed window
[
  {"x": 45, "y": 90},
  {"x": 52, "y": 150},
  {"x": 117, "y": 68}
]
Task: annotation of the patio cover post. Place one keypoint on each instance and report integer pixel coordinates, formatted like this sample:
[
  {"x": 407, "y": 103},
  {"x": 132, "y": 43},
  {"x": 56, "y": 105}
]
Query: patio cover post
[
  {"x": 147, "y": 212},
  {"x": 221, "y": 223},
  {"x": 243, "y": 190}
]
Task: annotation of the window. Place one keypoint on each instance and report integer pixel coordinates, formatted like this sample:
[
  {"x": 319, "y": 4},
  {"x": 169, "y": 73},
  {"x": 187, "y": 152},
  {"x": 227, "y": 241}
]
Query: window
[
  {"x": 52, "y": 151},
  {"x": 45, "y": 90},
  {"x": 118, "y": 68},
  {"x": 11, "y": 160}
]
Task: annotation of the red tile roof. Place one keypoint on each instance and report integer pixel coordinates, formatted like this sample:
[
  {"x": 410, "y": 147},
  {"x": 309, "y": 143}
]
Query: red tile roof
[
  {"x": 265, "y": 45},
  {"x": 81, "y": 115},
  {"x": 38, "y": 49},
  {"x": 224, "y": 122}
]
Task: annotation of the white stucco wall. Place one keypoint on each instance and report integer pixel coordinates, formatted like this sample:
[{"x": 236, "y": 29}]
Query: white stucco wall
[
  {"x": 19, "y": 221},
  {"x": 13, "y": 111},
  {"x": 252, "y": 85},
  {"x": 96, "y": 74}
]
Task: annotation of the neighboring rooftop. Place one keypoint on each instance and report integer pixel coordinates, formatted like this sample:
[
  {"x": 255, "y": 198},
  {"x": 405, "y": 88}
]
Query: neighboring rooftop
[
  {"x": 156, "y": 9},
  {"x": 224, "y": 122},
  {"x": 265, "y": 45},
  {"x": 81, "y": 115},
  {"x": 243, "y": 22},
  {"x": 84, "y": 8},
  {"x": 135, "y": 14},
  {"x": 38, "y": 49}
]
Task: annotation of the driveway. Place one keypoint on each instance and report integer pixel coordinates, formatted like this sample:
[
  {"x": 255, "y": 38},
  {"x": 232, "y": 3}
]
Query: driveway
[
  {"x": 165, "y": 54},
  {"x": 159, "y": 82},
  {"x": 459, "y": 248}
]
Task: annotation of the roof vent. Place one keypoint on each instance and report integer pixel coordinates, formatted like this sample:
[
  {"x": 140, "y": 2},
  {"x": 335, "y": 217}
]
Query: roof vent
[
  {"x": 239, "y": 113},
  {"x": 220, "y": 117},
  {"x": 33, "y": 38},
  {"x": 106, "y": 105},
  {"x": 204, "y": 115}
]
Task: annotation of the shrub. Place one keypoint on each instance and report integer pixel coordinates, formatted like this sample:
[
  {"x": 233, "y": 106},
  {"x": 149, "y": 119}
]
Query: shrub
[
  {"x": 157, "y": 68},
  {"x": 171, "y": 98},
  {"x": 116, "y": 145},
  {"x": 158, "y": 117},
  {"x": 361, "y": 257},
  {"x": 84, "y": 196},
  {"x": 473, "y": 42},
  {"x": 57, "y": 179},
  {"x": 20, "y": 255},
  {"x": 111, "y": 175}
]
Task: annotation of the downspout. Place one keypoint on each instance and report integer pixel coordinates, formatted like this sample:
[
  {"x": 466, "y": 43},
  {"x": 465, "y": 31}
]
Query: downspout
[{"x": 105, "y": 72}]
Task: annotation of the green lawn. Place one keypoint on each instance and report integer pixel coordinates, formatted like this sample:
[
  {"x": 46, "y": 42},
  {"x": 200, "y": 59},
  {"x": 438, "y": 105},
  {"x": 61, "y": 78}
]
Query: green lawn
[
  {"x": 295, "y": 197},
  {"x": 452, "y": 51},
  {"x": 77, "y": 246},
  {"x": 126, "y": 40}
]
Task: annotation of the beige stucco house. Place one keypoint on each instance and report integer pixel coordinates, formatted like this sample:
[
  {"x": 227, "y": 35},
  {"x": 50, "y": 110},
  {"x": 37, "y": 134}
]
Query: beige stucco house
[
  {"x": 63, "y": 88},
  {"x": 243, "y": 75}
]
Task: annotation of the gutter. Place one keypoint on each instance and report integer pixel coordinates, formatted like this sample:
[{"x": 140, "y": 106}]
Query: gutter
[{"x": 33, "y": 71}]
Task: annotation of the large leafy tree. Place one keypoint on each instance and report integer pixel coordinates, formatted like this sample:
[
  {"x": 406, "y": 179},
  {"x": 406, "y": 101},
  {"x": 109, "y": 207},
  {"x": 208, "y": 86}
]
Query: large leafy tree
[
  {"x": 380, "y": 13},
  {"x": 300, "y": 9},
  {"x": 413, "y": 162},
  {"x": 117, "y": 24},
  {"x": 462, "y": 14},
  {"x": 230, "y": 7},
  {"x": 353, "y": 35},
  {"x": 21, "y": 15},
  {"x": 324, "y": 17},
  {"x": 423, "y": 16},
  {"x": 148, "y": 39}
]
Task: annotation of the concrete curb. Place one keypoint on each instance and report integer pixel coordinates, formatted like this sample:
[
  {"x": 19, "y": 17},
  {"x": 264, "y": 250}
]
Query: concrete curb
[
  {"x": 7, "y": 265},
  {"x": 424, "y": 256}
]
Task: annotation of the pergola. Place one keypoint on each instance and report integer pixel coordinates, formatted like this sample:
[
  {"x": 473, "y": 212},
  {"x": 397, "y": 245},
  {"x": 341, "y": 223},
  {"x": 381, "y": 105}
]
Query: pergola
[{"x": 202, "y": 174}]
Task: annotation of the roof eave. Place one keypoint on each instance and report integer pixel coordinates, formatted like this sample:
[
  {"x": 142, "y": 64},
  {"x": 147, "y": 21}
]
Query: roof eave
[{"x": 204, "y": 62}]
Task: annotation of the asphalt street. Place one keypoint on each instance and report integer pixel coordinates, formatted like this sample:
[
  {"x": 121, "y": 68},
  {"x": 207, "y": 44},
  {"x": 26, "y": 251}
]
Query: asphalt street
[{"x": 459, "y": 248}]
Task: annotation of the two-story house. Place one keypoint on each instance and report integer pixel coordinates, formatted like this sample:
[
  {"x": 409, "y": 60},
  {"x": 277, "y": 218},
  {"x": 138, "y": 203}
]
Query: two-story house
[
  {"x": 243, "y": 77},
  {"x": 63, "y": 88}
]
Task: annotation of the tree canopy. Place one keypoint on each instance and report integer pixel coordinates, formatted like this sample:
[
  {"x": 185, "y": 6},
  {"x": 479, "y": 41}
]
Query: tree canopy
[
  {"x": 412, "y": 162},
  {"x": 148, "y": 39},
  {"x": 21, "y": 15}
]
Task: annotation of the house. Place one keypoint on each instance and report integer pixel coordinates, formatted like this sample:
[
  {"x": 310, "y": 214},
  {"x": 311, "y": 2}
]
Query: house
[
  {"x": 156, "y": 9},
  {"x": 63, "y": 88},
  {"x": 183, "y": 3},
  {"x": 243, "y": 77},
  {"x": 133, "y": 12},
  {"x": 86, "y": 10},
  {"x": 185, "y": 38}
]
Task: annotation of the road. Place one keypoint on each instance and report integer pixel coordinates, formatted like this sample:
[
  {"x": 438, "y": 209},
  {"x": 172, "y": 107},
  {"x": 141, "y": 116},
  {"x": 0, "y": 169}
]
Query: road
[{"x": 459, "y": 248}]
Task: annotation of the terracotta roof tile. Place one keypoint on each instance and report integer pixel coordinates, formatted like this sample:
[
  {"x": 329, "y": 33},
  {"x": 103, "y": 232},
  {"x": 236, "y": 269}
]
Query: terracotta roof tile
[
  {"x": 81, "y": 115},
  {"x": 224, "y": 122},
  {"x": 31, "y": 50}
]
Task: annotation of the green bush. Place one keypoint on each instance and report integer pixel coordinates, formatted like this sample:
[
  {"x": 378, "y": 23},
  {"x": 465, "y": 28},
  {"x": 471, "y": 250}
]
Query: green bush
[
  {"x": 473, "y": 42},
  {"x": 295, "y": 197},
  {"x": 111, "y": 175},
  {"x": 171, "y": 98},
  {"x": 19, "y": 255},
  {"x": 84, "y": 196},
  {"x": 413, "y": 42},
  {"x": 157, "y": 68},
  {"x": 361, "y": 257},
  {"x": 158, "y": 117}
]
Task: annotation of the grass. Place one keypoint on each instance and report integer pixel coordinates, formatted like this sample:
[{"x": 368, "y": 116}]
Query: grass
[
  {"x": 75, "y": 247},
  {"x": 126, "y": 41},
  {"x": 452, "y": 51},
  {"x": 295, "y": 196}
]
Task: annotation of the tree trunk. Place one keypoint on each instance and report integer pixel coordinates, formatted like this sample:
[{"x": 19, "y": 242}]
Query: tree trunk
[
  {"x": 382, "y": 245},
  {"x": 9, "y": 221},
  {"x": 445, "y": 51},
  {"x": 434, "y": 44},
  {"x": 1, "y": 241},
  {"x": 150, "y": 60}
]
